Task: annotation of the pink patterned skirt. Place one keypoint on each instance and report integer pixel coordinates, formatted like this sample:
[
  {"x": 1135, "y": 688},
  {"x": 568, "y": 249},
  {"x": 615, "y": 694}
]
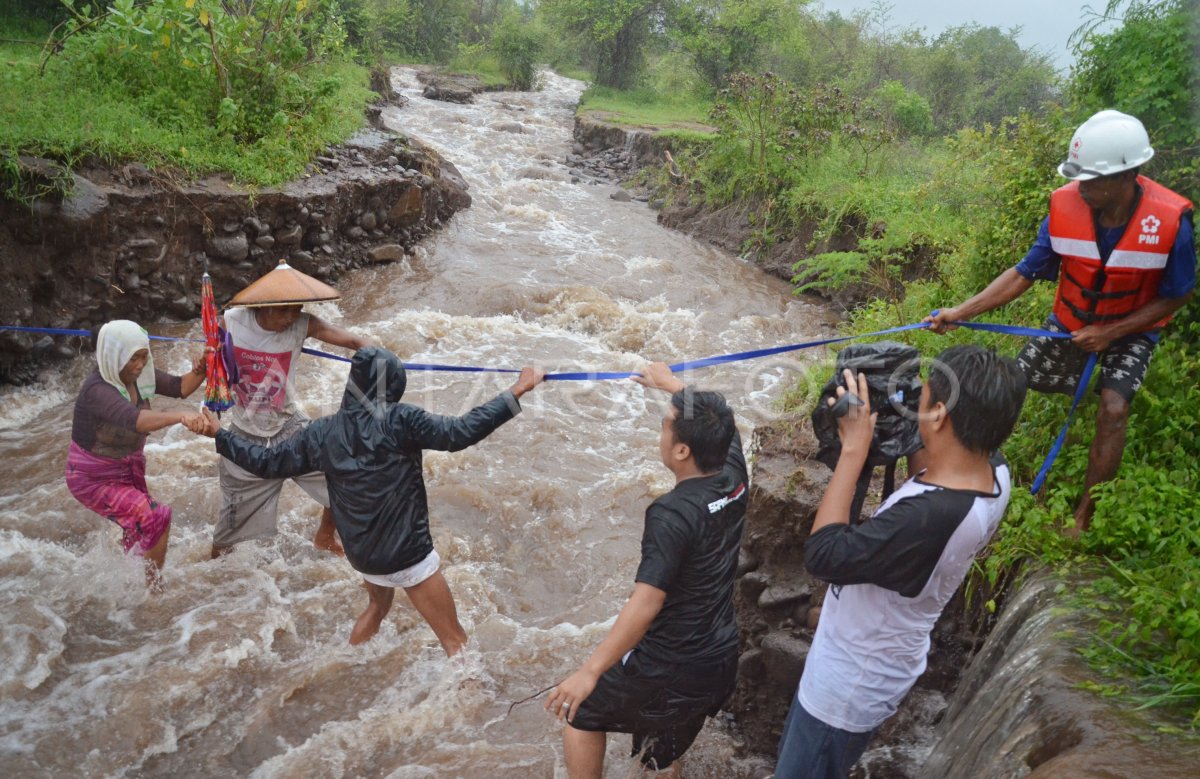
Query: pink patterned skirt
[{"x": 116, "y": 489}]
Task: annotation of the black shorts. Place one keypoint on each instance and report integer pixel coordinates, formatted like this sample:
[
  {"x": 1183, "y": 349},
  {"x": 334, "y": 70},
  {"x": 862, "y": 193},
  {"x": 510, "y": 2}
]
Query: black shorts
[
  {"x": 663, "y": 705},
  {"x": 1055, "y": 364}
]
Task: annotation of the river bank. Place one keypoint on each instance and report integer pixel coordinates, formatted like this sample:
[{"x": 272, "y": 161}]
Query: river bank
[{"x": 949, "y": 725}]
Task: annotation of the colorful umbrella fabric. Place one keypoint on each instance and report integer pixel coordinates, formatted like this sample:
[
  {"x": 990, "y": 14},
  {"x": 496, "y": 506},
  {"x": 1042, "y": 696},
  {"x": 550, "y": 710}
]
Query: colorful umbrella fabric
[{"x": 217, "y": 396}]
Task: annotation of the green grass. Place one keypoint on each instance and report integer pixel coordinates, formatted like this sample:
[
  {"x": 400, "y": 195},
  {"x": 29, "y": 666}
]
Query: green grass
[
  {"x": 62, "y": 117},
  {"x": 646, "y": 108},
  {"x": 480, "y": 63}
]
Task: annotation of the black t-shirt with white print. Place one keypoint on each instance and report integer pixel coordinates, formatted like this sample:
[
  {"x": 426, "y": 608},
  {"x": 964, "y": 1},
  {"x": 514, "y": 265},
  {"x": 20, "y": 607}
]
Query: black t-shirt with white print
[{"x": 689, "y": 550}]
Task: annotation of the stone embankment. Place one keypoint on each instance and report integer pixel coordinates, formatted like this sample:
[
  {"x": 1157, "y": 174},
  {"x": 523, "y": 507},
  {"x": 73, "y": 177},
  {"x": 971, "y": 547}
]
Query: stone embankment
[{"x": 129, "y": 242}]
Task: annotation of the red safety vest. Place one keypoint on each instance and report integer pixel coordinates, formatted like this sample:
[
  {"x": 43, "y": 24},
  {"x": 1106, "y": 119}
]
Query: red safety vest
[{"x": 1094, "y": 292}]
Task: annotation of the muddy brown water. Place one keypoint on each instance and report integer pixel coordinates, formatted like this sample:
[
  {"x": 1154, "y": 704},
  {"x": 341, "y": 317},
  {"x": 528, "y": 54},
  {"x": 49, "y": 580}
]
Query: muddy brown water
[{"x": 242, "y": 667}]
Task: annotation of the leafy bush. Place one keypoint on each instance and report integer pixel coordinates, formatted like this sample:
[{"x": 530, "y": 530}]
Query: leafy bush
[
  {"x": 517, "y": 44},
  {"x": 905, "y": 113}
]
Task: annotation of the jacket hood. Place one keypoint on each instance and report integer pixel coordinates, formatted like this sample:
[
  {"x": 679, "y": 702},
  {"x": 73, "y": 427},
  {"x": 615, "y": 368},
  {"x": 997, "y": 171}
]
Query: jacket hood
[{"x": 376, "y": 376}]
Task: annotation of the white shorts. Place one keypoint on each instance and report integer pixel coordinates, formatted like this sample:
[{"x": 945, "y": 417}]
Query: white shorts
[{"x": 409, "y": 577}]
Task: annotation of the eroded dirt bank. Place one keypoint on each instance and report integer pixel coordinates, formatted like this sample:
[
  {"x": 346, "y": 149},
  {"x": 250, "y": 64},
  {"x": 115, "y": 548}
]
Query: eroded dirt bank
[{"x": 133, "y": 243}]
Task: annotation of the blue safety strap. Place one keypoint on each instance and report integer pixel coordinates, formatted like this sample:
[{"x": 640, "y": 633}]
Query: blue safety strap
[
  {"x": 1029, "y": 332},
  {"x": 1084, "y": 379}
]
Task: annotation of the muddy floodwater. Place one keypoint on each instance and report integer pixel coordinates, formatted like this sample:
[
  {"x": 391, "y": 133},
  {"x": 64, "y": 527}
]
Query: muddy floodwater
[{"x": 242, "y": 667}]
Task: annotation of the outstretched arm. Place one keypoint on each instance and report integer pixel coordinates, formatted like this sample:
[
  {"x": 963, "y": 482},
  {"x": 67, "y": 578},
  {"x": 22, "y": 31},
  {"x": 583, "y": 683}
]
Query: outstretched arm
[
  {"x": 1007, "y": 287},
  {"x": 632, "y": 623},
  {"x": 450, "y": 434},
  {"x": 333, "y": 335},
  {"x": 658, "y": 375},
  {"x": 296, "y": 456}
]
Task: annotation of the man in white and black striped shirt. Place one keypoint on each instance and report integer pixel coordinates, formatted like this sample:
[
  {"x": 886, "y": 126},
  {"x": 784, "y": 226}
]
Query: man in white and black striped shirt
[{"x": 891, "y": 577}]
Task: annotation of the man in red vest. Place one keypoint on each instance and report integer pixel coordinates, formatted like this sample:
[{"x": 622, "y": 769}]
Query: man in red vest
[{"x": 1122, "y": 249}]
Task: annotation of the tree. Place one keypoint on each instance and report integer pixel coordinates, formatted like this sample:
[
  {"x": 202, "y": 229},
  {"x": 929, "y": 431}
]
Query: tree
[
  {"x": 616, "y": 32},
  {"x": 977, "y": 75},
  {"x": 1147, "y": 67},
  {"x": 727, "y": 36}
]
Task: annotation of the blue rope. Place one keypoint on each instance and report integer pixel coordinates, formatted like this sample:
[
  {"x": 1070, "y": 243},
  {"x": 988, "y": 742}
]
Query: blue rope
[
  {"x": 1084, "y": 379},
  {"x": 1029, "y": 332}
]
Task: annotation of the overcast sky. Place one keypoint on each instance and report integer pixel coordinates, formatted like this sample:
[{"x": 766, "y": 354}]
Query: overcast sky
[{"x": 1045, "y": 24}]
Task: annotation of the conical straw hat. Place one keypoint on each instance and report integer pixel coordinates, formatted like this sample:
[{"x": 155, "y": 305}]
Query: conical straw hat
[{"x": 284, "y": 286}]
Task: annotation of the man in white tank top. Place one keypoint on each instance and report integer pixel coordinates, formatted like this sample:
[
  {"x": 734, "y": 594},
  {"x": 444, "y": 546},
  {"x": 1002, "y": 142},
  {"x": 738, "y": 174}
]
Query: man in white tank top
[{"x": 267, "y": 340}]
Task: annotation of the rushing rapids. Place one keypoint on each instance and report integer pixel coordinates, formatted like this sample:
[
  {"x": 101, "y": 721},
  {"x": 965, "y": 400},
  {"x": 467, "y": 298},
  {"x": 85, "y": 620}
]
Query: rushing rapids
[{"x": 242, "y": 667}]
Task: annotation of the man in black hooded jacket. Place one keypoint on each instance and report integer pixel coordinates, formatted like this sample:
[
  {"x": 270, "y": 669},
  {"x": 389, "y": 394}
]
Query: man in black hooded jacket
[{"x": 370, "y": 453}]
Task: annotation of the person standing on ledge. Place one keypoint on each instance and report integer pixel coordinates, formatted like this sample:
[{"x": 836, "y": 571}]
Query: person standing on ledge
[
  {"x": 1122, "y": 248},
  {"x": 266, "y": 328}
]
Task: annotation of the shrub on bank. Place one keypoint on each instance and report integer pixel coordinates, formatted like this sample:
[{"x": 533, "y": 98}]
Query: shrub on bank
[{"x": 183, "y": 83}]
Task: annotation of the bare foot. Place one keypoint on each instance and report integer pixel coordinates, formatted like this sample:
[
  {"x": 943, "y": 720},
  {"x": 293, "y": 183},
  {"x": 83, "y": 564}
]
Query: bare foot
[
  {"x": 328, "y": 542},
  {"x": 366, "y": 626},
  {"x": 326, "y": 538}
]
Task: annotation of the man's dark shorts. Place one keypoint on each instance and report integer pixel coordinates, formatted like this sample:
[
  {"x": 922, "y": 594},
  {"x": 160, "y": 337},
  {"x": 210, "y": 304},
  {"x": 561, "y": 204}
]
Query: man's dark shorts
[
  {"x": 1055, "y": 364},
  {"x": 663, "y": 705}
]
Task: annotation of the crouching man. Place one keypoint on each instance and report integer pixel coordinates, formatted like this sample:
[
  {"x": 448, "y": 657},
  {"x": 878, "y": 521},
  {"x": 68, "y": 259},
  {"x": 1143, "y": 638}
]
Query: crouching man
[{"x": 891, "y": 576}]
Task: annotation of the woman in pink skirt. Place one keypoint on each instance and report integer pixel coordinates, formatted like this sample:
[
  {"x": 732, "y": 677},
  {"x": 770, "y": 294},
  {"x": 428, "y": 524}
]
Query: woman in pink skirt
[{"x": 106, "y": 469}]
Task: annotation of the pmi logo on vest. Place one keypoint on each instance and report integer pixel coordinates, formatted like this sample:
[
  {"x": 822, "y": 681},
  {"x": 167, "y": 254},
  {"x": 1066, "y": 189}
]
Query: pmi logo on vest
[{"x": 1149, "y": 229}]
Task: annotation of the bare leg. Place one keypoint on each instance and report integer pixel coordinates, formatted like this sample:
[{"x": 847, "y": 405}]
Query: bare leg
[
  {"x": 583, "y": 751},
  {"x": 433, "y": 601},
  {"x": 219, "y": 551},
  {"x": 154, "y": 559},
  {"x": 670, "y": 772},
  {"x": 378, "y": 607},
  {"x": 1105, "y": 456},
  {"x": 326, "y": 537}
]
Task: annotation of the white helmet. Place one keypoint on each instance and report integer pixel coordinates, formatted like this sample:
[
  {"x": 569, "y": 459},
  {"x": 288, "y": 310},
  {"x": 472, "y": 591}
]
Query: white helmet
[{"x": 1108, "y": 143}]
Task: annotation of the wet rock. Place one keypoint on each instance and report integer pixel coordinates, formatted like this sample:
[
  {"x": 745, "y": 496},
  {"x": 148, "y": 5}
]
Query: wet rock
[
  {"x": 355, "y": 233},
  {"x": 254, "y": 225},
  {"x": 746, "y": 563},
  {"x": 85, "y": 202},
  {"x": 783, "y": 659},
  {"x": 143, "y": 246},
  {"x": 621, "y": 196},
  {"x": 181, "y": 307},
  {"x": 229, "y": 247},
  {"x": 783, "y": 595},
  {"x": 508, "y": 127},
  {"x": 408, "y": 208},
  {"x": 390, "y": 252},
  {"x": 368, "y": 221},
  {"x": 290, "y": 236},
  {"x": 265, "y": 241},
  {"x": 302, "y": 258},
  {"x": 229, "y": 228},
  {"x": 543, "y": 174},
  {"x": 448, "y": 93}
]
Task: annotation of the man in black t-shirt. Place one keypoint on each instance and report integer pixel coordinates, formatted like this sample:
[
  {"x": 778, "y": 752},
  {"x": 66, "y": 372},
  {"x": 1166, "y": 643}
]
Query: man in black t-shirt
[{"x": 671, "y": 658}]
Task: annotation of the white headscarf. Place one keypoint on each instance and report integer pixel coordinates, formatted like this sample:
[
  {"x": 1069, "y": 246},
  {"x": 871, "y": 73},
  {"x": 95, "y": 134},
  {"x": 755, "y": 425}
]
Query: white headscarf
[{"x": 117, "y": 342}]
